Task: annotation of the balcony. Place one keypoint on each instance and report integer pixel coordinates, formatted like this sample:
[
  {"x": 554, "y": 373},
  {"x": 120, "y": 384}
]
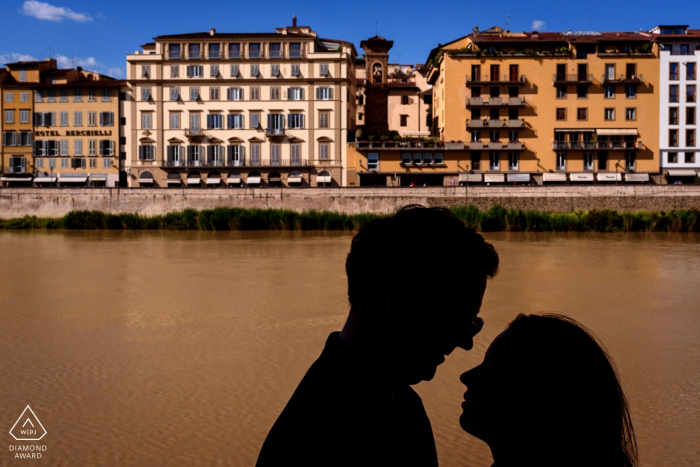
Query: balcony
[
  {"x": 402, "y": 145},
  {"x": 476, "y": 145},
  {"x": 622, "y": 79},
  {"x": 502, "y": 80},
  {"x": 514, "y": 146},
  {"x": 496, "y": 102},
  {"x": 495, "y": 123},
  {"x": 274, "y": 131},
  {"x": 591, "y": 145},
  {"x": 572, "y": 79},
  {"x": 495, "y": 145},
  {"x": 194, "y": 132},
  {"x": 515, "y": 123},
  {"x": 475, "y": 123},
  {"x": 240, "y": 162},
  {"x": 17, "y": 169},
  {"x": 174, "y": 55}
]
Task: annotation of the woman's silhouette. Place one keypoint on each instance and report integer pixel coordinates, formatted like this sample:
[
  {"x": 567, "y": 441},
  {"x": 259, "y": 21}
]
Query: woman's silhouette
[{"x": 547, "y": 394}]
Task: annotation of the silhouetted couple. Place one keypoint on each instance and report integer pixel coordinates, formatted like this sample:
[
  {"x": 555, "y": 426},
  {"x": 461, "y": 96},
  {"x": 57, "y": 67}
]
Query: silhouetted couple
[{"x": 546, "y": 393}]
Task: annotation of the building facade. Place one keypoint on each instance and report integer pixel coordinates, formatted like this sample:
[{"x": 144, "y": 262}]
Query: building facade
[
  {"x": 679, "y": 56},
  {"x": 63, "y": 126},
  {"x": 549, "y": 107},
  {"x": 240, "y": 109}
]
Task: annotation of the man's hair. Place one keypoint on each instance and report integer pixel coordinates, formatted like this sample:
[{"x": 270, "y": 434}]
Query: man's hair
[{"x": 416, "y": 249}]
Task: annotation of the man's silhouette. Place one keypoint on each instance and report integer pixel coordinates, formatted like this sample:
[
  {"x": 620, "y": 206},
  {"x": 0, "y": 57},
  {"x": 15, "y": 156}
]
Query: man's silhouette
[{"x": 415, "y": 284}]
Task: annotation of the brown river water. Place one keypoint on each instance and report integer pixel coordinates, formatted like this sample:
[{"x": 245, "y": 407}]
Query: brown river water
[{"x": 180, "y": 349}]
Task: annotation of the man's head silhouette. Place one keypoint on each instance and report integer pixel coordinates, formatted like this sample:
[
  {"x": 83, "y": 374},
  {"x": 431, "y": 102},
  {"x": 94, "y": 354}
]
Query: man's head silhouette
[{"x": 415, "y": 283}]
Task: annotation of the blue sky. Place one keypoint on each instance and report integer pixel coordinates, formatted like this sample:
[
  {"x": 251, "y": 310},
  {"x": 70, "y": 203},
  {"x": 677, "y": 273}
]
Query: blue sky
[{"x": 98, "y": 35}]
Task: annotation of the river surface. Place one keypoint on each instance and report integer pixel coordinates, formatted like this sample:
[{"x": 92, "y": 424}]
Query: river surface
[{"x": 180, "y": 349}]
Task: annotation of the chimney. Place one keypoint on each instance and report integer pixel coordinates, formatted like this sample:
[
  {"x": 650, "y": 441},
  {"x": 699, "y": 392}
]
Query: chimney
[
  {"x": 294, "y": 21},
  {"x": 212, "y": 31},
  {"x": 535, "y": 35}
]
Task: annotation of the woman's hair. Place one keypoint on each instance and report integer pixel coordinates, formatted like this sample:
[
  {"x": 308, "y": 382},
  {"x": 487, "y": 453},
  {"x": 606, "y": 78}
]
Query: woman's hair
[{"x": 567, "y": 403}]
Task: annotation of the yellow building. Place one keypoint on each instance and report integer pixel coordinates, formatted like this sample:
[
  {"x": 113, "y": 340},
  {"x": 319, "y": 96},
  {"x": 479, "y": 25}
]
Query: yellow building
[
  {"x": 550, "y": 107},
  {"x": 64, "y": 130}
]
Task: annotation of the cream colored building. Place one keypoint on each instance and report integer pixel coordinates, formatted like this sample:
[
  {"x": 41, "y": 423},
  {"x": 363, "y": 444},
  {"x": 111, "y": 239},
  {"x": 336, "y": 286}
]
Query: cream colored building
[{"x": 240, "y": 109}]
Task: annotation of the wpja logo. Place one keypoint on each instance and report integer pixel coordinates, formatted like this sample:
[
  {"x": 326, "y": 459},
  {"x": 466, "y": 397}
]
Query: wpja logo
[{"x": 28, "y": 428}]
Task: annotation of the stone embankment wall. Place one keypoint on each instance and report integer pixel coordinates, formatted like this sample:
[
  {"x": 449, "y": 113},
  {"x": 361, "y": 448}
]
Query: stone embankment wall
[{"x": 56, "y": 202}]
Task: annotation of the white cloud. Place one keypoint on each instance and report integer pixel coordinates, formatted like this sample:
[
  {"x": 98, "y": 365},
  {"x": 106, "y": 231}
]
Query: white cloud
[
  {"x": 14, "y": 57},
  {"x": 115, "y": 72},
  {"x": 67, "y": 62},
  {"x": 538, "y": 25},
  {"x": 41, "y": 10}
]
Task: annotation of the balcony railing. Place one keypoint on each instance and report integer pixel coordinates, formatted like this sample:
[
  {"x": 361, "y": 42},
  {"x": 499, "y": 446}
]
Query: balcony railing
[
  {"x": 631, "y": 79},
  {"x": 174, "y": 55},
  {"x": 275, "y": 54},
  {"x": 495, "y": 101},
  {"x": 476, "y": 145},
  {"x": 515, "y": 123},
  {"x": 577, "y": 78},
  {"x": 589, "y": 145},
  {"x": 240, "y": 162},
  {"x": 502, "y": 79},
  {"x": 194, "y": 55},
  {"x": 197, "y": 132},
  {"x": 17, "y": 169},
  {"x": 399, "y": 145},
  {"x": 274, "y": 131}
]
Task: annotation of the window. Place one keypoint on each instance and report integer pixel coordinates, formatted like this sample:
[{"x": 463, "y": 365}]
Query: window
[
  {"x": 193, "y": 51},
  {"x": 609, "y": 71},
  {"x": 64, "y": 163},
  {"x": 254, "y": 94},
  {"x": 8, "y": 138},
  {"x": 295, "y": 94},
  {"x": 690, "y": 138},
  {"x": 684, "y": 49},
  {"x": 275, "y": 50},
  {"x": 494, "y": 91},
  {"x": 582, "y": 92},
  {"x": 78, "y": 147},
  {"x": 214, "y": 71},
  {"x": 373, "y": 161},
  {"x": 404, "y": 100},
  {"x": 673, "y": 71},
  {"x": 476, "y": 136},
  {"x": 494, "y": 162},
  {"x": 146, "y": 121},
  {"x": 690, "y": 70},
  {"x": 438, "y": 159},
  {"x": 194, "y": 94},
  {"x": 672, "y": 157},
  {"x": 476, "y": 160},
  {"x": 147, "y": 153},
  {"x": 295, "y": 50},
  {"x": 513, "y": 136},
  {"x": 52, "y": 163},
  {"x": 214, "y": 51},
  {"x": 324, "y": 119},
  {"x": 106, "y": 147},
  {"x": 295, "y": 70},
  {"x": 235, "y": 94},
  {"x": 323, "y": 69},
  {"x": 254, "y": 120},
  {"x": 50, "y": 95},
  {"x": 174, "y": 94},
  {"x": 587, "y": 161},
  {"x": 145, "y": 94},
  {"x": 194, "y": 122},
  {"x": 106, "y": 118},
  {"x": 63, "y": 119},
  {"x": 324, "y": 151},
  {"x": 690, "y": 93},
  {"x": 561, "y": 114},
  {"x": 255, "y": 154},
  {"x": 106, "y": 97},
  {"x": 673, "y": 138},
  {"x": 689, "y": 157},
  {"x": 23, "y": 76},
  {"x": 582, "y": 114},
  {"x": 254, "y": 50},
  {"x": 513, "y": 161},
  {"x": 24, "y": 97},
  {"x": 495, "y": 136},
  {"x": 174, "y": 120},
  {"x": 427, "y": 158},
  {"x": 39, "y": 163},
  {"x": 195, "y": 71},
  {"x": 63, "y": 95},
  {"x": 145, "y": 71},
  {"x": 235, "y": 121},
  {"x": 215, "y": 121},
  {"x": 361, "y": 116},
  {"x": 631, "y": 92},
  {"x": 92, "y": 147},
  {"x": 630, "y": 160},
  {"x": 630, "y": 113},
  {"x": 673, "y": 116},
  {"x": 91, "y": 95},
  {"x": 274, "y": 94},
  {"x": 234, "y": 50},
  {"x": 690, "y": 116},
  {"x": 106, "y": 163},
  {"x": 174, "y": 51},
  {"x": 254, "y": 70},
  {"x": 9, "y": 116},
  {"x": 174, "y": 71},
  {"x": 609, "y": 114},
  {"x": 673, "y": 93},
  {"x": 296, "y": 120},
  {"x": 24, "y": 116},
  {"x": 513, "y": 91},
  {"x": 77, "y": 95},
  {"x": 561, "y": 161},
  {"x": 38, "y": 97},
  {"x": 92, "y": 118},
  {"x": 213, "y": 94},
  {"x": 324, "y": 94},
  {"x": 234, "y": 71},
  {"x": 561, "y": 92},
  {"x": 476, "y": 91},
  {"x": 404, "y": 120}
]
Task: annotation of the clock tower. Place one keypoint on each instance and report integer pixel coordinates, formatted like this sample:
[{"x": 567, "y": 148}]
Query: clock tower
[{"x": 376, "y": 85}]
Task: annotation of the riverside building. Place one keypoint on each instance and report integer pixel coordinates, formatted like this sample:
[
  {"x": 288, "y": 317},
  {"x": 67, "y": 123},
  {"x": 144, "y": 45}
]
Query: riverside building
[
  {"x": 679, "y": 53},
  {"x": 240, "y": 109},
  {"x": 64, "y": 126},
  {"x": 558, "y": 107}
]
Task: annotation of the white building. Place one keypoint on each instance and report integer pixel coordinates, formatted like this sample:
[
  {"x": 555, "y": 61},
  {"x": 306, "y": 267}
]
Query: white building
[
  {"x": 240, "y": 109},
  {"x": 678, "y": 89}
]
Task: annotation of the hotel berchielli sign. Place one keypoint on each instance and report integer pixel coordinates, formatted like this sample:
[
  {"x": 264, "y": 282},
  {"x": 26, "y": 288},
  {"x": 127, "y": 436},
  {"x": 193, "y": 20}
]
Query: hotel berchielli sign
[{"x": 75, "y": 133}]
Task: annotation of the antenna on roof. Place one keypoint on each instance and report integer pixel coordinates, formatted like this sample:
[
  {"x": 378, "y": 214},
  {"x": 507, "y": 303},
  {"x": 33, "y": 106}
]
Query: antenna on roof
[
  {"x": 376, "y": 28},
  {"x": 508, "y": 21},
  {"x": 72, "y": 61}
]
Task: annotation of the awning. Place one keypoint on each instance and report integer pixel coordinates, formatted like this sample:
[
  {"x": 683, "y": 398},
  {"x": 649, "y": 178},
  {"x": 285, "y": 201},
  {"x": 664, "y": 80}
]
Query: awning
[
  {"x": 518, "y": 177},
  {"x": 681, "y": 173},
  {"x": 323, "y": 179},
  {"x": 275, "y": 179},
  {"x": 213, "y": 181},
  {"x": 174, "y": 182},
  {"x": 98, "y": 178},
  {"x": 297, "y": 179},
  {"x": 234, "y": 179},
  {"x": 78, "y": 179},
  {"x": 45, "y": 179},
  {"x": 494, "y": 178},
  {"x": 569, "y": 130},
  {"x": 618, "y": 132},
  {"x": 469, "y": 177},
  {"x": 553, "y": 177},
  {"x": 254, "y": 180},
  {"x": 194, "y": 181},
  {"x": 146, "y": 180},
  {"x": 16, "y": 179},
  {"x": 609, "y": 177},
  {"x": 581, "y": 177},
  {"x": 637, "y": 177}
]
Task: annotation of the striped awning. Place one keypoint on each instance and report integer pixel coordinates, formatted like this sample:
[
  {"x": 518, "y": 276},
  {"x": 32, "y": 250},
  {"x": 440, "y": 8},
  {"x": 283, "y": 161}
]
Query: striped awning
[{"x": 553, "y": 177}]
